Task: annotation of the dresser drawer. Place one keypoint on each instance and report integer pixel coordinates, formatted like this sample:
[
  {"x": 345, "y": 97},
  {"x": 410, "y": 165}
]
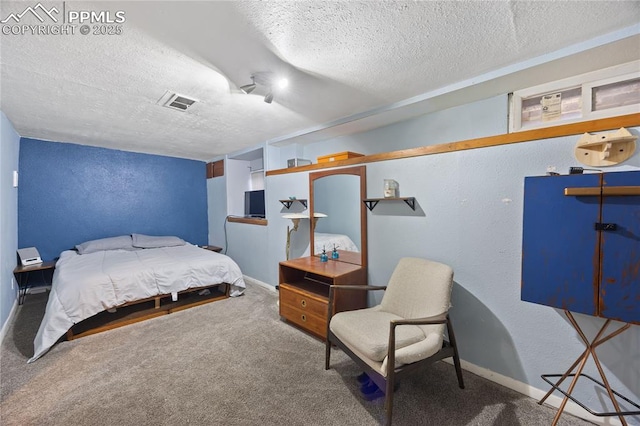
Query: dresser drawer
[
  {"x": 303, "y": 302},
  {"x": 304, "y": 319}
]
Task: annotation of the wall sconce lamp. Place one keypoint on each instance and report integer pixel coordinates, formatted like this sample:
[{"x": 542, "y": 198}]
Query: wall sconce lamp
[
  {"x": 316, "y": 216},
  {"x": 295, "y": 218}
]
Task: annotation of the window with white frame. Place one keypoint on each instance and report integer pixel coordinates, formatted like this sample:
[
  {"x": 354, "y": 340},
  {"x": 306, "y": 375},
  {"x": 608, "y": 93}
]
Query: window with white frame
[{"x": 599, "y": 94}]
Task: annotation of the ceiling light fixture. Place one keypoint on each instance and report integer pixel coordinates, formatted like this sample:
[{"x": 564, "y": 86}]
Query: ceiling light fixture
[
  {"x": 248, "y": 88},
  {"x": 268, "y": 80},
  {"x": 283, "y": 83}
]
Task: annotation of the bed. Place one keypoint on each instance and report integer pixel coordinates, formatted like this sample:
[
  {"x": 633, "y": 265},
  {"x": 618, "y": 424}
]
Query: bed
[{"x": 106, "y": 275}]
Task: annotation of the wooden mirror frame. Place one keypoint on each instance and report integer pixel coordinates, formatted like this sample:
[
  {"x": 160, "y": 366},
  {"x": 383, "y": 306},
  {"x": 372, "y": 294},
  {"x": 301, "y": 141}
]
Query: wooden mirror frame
[{"x": 360, "y": 171}]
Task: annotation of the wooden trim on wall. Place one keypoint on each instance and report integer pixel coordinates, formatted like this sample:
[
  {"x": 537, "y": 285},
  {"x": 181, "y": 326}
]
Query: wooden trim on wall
[
  {"x": 485, "y": 142},
  {"x": 249, "y": 220}
]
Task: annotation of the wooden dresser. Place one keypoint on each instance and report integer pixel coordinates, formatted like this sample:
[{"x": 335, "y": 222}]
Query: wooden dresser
[{"x": 304, "y": 291}]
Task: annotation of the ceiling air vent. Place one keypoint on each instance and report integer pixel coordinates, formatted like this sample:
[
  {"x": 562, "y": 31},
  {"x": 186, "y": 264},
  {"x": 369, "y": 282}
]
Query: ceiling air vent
[{"x": 176, "y": 101}]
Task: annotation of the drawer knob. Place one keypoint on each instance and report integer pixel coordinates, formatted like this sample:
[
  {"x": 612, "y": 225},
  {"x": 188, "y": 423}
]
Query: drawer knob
[
  {"x": 303, "y": 317},
  {"x": 303, "y": 303}
]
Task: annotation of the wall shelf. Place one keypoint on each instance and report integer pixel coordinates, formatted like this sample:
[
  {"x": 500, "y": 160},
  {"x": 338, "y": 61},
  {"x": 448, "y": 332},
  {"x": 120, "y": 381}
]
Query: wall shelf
[
  {"x": 288, "y": 203},
  {"x": 534, "y": 135},
  {"x": 371, "y": 203},
  {"x": 249, "y": 220}
]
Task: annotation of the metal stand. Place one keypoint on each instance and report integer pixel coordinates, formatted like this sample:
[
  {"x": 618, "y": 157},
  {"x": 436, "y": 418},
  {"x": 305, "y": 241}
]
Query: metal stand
[
  {"x": 582, "y": 360},
  {"x": 22, "y": 275},
  {"x": 24, "y": 286}
]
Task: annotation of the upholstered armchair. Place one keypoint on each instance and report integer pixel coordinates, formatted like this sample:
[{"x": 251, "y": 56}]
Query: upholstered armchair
[{"x": 404, "y": 332}]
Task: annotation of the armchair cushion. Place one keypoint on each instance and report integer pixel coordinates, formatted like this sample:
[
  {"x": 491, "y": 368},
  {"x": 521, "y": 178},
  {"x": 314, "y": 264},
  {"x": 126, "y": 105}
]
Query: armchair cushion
[
  {"x": 418, "y": 288},
  {"x": 420, "y": 350},
  {"x": 367, "y": 330}
]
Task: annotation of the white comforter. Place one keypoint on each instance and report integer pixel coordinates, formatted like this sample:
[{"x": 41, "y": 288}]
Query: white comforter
[{"x": 84, "y": 285}]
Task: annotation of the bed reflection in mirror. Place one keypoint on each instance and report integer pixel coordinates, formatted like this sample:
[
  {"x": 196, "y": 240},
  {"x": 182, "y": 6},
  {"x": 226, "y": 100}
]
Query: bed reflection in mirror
[{"x": 338, "y": 194}]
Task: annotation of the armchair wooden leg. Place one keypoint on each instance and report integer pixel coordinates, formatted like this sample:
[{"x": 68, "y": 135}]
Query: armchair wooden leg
[
  {"x": 327, "y": 349},
  {"x": 391, "y": 369},
  {"x": 388, "y": 401},
  {"x": 327, "y": 353},
  {"x": 456, "y": 357}
]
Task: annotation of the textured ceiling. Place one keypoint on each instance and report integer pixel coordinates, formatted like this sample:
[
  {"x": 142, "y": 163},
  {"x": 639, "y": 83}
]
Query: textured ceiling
[{"x": 344, "y": 60}]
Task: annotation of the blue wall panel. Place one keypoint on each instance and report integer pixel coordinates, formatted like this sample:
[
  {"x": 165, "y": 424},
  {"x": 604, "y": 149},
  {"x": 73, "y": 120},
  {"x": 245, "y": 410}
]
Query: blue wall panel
[
  {"x": 620, "y": 285},
  {"x": 566, "y": 262},
  {"x": 73, "y": 193},
  {"x": 560, "y": 243}
]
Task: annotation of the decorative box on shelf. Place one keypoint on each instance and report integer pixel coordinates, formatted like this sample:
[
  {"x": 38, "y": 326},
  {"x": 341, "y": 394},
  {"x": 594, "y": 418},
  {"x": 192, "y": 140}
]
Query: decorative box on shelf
[
  {"x": 297, "y": 162},
  {"x": 338, "y": 156}
]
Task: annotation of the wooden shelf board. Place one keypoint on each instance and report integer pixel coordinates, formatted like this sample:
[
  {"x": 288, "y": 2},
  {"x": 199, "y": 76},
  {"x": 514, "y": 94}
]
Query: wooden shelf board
[
  {"x": 249, "y": 220},
  {"x": 630, "y": 120}
]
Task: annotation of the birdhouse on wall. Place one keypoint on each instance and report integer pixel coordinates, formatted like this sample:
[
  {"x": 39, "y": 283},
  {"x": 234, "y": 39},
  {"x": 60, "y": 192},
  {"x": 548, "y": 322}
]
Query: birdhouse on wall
[{"x": 606, "y": 149}]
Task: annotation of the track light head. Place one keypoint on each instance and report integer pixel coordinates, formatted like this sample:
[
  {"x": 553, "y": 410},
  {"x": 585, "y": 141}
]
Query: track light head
[
  {"x": 248, "y": 88},
  {"x": 266, "y": 81}
]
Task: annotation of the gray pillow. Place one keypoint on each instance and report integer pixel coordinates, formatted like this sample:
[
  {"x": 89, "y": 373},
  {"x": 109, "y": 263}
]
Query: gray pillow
[
  {"x": 122, "y": 242},
  {"x": 148, "y": 241}
]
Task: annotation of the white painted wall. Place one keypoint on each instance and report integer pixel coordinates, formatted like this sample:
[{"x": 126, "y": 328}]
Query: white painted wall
[
  {"x": 484, "y": 118},
  {"x": 217, "y": 210},
  {"x": 247, "y": 246},
  {"x": 238, "y": 181},
  {"x": 276, "y": 157},
  {"x": 281, "y": 187},
  {"x": 9, "y": 148}
]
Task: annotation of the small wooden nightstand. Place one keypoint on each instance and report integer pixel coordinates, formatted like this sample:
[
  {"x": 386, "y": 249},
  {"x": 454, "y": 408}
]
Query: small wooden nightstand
[
  {"x": 304, "y": 291},
  {"x": 22, "y": 276},
  {"x": 212, "y": 248}
]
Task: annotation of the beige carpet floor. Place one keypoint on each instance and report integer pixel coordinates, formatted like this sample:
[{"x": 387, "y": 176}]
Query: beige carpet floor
[{"x": 231, "y": 362}]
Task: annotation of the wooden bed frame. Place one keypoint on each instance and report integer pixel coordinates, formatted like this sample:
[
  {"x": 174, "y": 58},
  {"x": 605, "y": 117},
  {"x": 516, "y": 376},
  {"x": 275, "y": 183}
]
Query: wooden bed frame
[{"x": 144, "y": 309}]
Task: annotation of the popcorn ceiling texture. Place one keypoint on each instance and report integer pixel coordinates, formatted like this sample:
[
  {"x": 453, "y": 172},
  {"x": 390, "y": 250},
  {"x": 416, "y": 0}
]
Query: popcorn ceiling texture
[{"x": 342, "y": 58}]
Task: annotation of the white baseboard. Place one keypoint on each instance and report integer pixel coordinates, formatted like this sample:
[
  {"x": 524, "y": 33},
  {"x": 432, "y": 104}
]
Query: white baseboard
[
  {"x": 249, "y": 280},
  {"x": 535, "y": 393},
  {"x": 9, "y": 320}
]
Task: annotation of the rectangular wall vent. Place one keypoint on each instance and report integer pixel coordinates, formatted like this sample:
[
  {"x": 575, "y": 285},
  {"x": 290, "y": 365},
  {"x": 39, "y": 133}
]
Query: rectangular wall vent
[{"x": 176, "y": 101}]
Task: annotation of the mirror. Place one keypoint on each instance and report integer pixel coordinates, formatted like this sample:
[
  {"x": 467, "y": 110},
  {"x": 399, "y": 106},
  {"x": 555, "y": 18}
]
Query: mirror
[{"x": 338, "y": 194}]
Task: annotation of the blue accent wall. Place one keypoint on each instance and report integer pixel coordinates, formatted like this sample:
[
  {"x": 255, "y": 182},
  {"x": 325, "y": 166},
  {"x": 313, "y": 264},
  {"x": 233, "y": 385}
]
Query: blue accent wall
[{"x": 73, "y": 193}]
